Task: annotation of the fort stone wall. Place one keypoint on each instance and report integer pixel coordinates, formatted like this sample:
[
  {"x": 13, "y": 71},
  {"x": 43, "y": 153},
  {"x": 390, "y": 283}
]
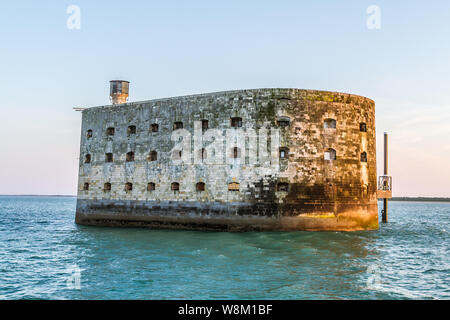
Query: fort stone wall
[{"x": 264, "y": 159}]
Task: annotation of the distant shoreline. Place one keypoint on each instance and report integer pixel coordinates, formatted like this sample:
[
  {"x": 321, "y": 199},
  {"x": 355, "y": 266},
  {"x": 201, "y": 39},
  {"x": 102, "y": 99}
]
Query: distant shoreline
[
  {"x": 38, "y": 195},
  {"x": 416, "y": 199},
  {"x": 421, "y": 199}
]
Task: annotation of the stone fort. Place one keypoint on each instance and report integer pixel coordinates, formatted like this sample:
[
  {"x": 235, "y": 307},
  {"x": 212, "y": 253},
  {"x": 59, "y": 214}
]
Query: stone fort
[{"x": 262, "y": 159}]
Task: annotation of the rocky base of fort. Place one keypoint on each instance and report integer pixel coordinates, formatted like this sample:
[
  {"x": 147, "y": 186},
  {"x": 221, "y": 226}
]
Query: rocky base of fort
[{"x": 223, "y": 217}]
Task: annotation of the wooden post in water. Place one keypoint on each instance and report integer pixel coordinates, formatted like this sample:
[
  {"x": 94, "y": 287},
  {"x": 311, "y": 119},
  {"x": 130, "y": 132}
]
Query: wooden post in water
[{"x": 385, "y": 200}]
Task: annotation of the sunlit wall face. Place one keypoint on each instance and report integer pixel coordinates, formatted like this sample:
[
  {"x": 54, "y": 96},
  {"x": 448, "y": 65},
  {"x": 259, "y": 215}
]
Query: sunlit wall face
[{"x": 175, "y": 48}]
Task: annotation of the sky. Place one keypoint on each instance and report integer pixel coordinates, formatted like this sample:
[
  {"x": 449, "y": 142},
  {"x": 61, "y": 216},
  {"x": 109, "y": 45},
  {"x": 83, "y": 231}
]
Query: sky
[{"x": 172, "y": 48}]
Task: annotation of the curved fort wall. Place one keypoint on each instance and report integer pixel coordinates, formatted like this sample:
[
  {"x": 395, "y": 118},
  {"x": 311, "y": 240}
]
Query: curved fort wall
[{"x": 265, "y": 159}]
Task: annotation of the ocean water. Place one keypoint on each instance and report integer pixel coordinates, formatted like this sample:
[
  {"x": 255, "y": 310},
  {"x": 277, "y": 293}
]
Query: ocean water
[{"x": 45, "y": 255}]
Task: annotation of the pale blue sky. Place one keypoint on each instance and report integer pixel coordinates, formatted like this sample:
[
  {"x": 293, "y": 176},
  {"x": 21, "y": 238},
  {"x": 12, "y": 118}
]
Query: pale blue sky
[{"x": 170, "y": 48}]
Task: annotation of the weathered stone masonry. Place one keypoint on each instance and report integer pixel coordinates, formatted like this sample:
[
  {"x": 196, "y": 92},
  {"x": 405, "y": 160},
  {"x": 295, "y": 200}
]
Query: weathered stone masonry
[{"x": 320, "y": 176}]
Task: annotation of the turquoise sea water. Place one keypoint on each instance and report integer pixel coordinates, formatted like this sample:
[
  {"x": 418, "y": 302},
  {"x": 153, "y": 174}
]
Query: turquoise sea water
[{"x": 42, "y": 252}]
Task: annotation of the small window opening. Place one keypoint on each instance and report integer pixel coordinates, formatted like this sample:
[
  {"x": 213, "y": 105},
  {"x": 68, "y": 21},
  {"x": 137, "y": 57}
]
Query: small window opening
[
  {"x": 177, "y": 125},
  {"x": 329, "y": 124},
  {"x": 153, "y": 155},
  {"x": 365, "y": 191},
  {"x": 283, "y": 121},
  {"x": 203, "y": 154},
  {"x": 128, "y": 186},
  {"x": 362, "y": 127},
  {"x": 204, "y": 124},
  {"x": 283, "y": 186},
  {"x": 109, "y": 157},
  {"x": 233, "y": 186},
  {"x": 89, "y": 134},
  {"x": 176, "y": 155},
  {"x": 154, "y": 127},
  {"x": 131, "y": 130},
  {"x": 200, "y": 186},
  {"x": 364, "y": 157},
  {"x": 130, "y": 156},
  {"x": 87, "y": 158},
  {"x": 284, "y": 153},
  {"x": 236, "y": 122},
  {"x": 330, "y": 154},
  {"x": 110, "y": 131},
  {"x": 151, "y": 186},
  {"x": 175, "y": 186},
  {"x": 235, "y": 153},
  {"x": 107, "y": 187},
  {"x": 86, "y": 186}
]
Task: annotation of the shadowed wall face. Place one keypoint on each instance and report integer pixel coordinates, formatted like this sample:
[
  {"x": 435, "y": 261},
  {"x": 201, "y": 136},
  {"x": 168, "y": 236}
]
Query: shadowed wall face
[{"x": 289, "y": 154}]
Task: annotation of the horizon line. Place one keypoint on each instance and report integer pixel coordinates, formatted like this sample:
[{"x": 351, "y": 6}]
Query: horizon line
[{"x": 74, "y": 196}]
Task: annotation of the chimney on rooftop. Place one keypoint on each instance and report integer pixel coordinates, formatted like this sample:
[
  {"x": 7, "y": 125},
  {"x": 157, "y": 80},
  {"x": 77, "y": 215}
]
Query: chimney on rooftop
[{"x": 118, "y": 91}]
